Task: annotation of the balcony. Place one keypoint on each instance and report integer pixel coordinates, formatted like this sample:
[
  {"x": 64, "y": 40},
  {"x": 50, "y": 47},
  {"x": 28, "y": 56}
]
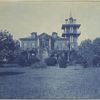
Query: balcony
[
  {"x": 72, "y": 32},
  {"x": 69, "y": 33}
]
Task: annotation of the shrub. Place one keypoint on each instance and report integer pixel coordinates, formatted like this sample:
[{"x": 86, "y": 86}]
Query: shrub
[
  {"x": 39, "y": 65},
  {"x": 62, "y": 62},
  {"x": 51, "y": 61},
  {"x": 82, "y": 61},
  {"x": 96, "y": 61},
  {"x": 85, "y": 64},
  {"x": 86, "y": 52},
  {"x": 24, "y": 62},
  {"x": 34, "y": 60}
]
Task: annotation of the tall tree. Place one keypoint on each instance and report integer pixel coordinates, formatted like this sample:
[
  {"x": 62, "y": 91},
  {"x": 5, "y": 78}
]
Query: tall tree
[
  {"x": 86, "y": 51},
  {"x": 96, "y": 46},
  {"x": 8, "y": 45},
  {"x": 96, "y": 49}
]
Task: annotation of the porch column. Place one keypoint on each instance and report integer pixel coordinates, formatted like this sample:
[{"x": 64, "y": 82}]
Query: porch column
[
  {"x": 49, "y": 44},
  {"x": 38, "y": 47}
]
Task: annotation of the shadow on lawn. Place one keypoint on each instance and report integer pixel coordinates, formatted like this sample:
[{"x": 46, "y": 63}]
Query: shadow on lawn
[
  {"x": 10, "y": 73},
  {"x": 9, "y": 65}
]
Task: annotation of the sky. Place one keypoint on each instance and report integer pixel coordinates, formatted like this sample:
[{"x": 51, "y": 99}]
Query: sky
[{"x": 21, "y": 18}]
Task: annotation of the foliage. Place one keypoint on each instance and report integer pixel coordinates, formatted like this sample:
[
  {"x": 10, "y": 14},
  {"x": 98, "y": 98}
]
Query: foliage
[
  {"x": 39, "y": 64},
  {"x": 34, "y": 59},
  {"x": 74, "y": 57},
  {"x": 62, "y": 61},
  {"x": 23, "y": 61},
  {"x": 96, "y": 61},
  {"x": 51, "y": 61},
  {"x": 33, "y": 52},
  {"x": 90, "y": 52},
  {"x": 96, "y": 46},
  {"x": 8, "y": 47},
  {"x": 96, "y": 50},
  {"x": 26, "y": 58},
  {"x": 86, "y": 52}
]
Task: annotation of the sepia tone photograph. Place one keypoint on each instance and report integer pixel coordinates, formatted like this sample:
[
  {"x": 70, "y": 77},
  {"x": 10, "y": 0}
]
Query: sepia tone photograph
[{"x": 49, "y": 49}]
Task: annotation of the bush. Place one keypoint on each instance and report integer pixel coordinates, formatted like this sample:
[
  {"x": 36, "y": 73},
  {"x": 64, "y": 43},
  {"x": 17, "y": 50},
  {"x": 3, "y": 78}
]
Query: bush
[
  {"x": 82, "y": 61},
  {"x": 34, "y": 60},
  {"x": 62, "y": 62},
  {"x": 96, "y": 61},
  {"x": 39, "y": 65},
  {"x": 24, "y": 61},
  {"x": 51, "y": 61},
  {"x": 85, "y": 64}
]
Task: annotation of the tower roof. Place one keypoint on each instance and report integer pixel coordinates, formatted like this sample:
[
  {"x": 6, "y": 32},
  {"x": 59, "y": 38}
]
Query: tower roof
[
  {"x": 70, "y": 25},
  {"x": 70, "y": 22}
]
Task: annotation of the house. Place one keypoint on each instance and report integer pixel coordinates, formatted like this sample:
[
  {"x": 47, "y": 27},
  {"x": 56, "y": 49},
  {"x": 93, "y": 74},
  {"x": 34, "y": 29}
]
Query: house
[{"x": 44, "y": 43}]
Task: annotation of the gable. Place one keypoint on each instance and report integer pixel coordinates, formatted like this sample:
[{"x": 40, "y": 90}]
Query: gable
[{"x": 44, "y": 35}]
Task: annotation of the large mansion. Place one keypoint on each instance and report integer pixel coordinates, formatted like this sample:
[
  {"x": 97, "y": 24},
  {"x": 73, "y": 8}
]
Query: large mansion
[{"x": 46, "y": 42}]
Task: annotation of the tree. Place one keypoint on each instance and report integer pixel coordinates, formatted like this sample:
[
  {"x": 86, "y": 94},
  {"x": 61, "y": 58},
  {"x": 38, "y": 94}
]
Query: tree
[
  {"x": 86, "y": 52},
  {"x": 96, "y": 50},
  {"x": 51, "y": 61},
  {"x": 62, "y": 61},
  {"x": 8, "y": 46},
  {"x": 96, "y": 46},
  {"x": 74, "y": 56}
]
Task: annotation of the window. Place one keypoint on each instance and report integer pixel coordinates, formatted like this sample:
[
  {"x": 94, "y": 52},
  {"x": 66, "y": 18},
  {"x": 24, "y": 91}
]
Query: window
[
  {"x": 71, "y": 29},
  {"x": 33, "y": 44}
]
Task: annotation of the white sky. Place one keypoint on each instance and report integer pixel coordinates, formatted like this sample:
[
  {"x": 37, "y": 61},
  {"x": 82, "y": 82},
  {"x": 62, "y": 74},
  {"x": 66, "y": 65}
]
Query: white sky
[{"x": 23, "y": 17}]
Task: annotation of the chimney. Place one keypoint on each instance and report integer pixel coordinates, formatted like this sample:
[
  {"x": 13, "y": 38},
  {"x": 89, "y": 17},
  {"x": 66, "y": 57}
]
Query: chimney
[
  {"x": 33, "y": 35},
  {"x": 54, "y": 34}
]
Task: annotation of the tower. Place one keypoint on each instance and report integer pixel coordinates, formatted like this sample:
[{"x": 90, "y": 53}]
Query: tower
[{"x": 71, "y": 32}]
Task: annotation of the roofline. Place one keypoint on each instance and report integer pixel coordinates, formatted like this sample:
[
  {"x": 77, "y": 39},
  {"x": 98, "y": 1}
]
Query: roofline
[
  {"x": 28, "y": 39},
  {"x": 68, "y": 25},
  {"x": 45, "y": 34}
]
